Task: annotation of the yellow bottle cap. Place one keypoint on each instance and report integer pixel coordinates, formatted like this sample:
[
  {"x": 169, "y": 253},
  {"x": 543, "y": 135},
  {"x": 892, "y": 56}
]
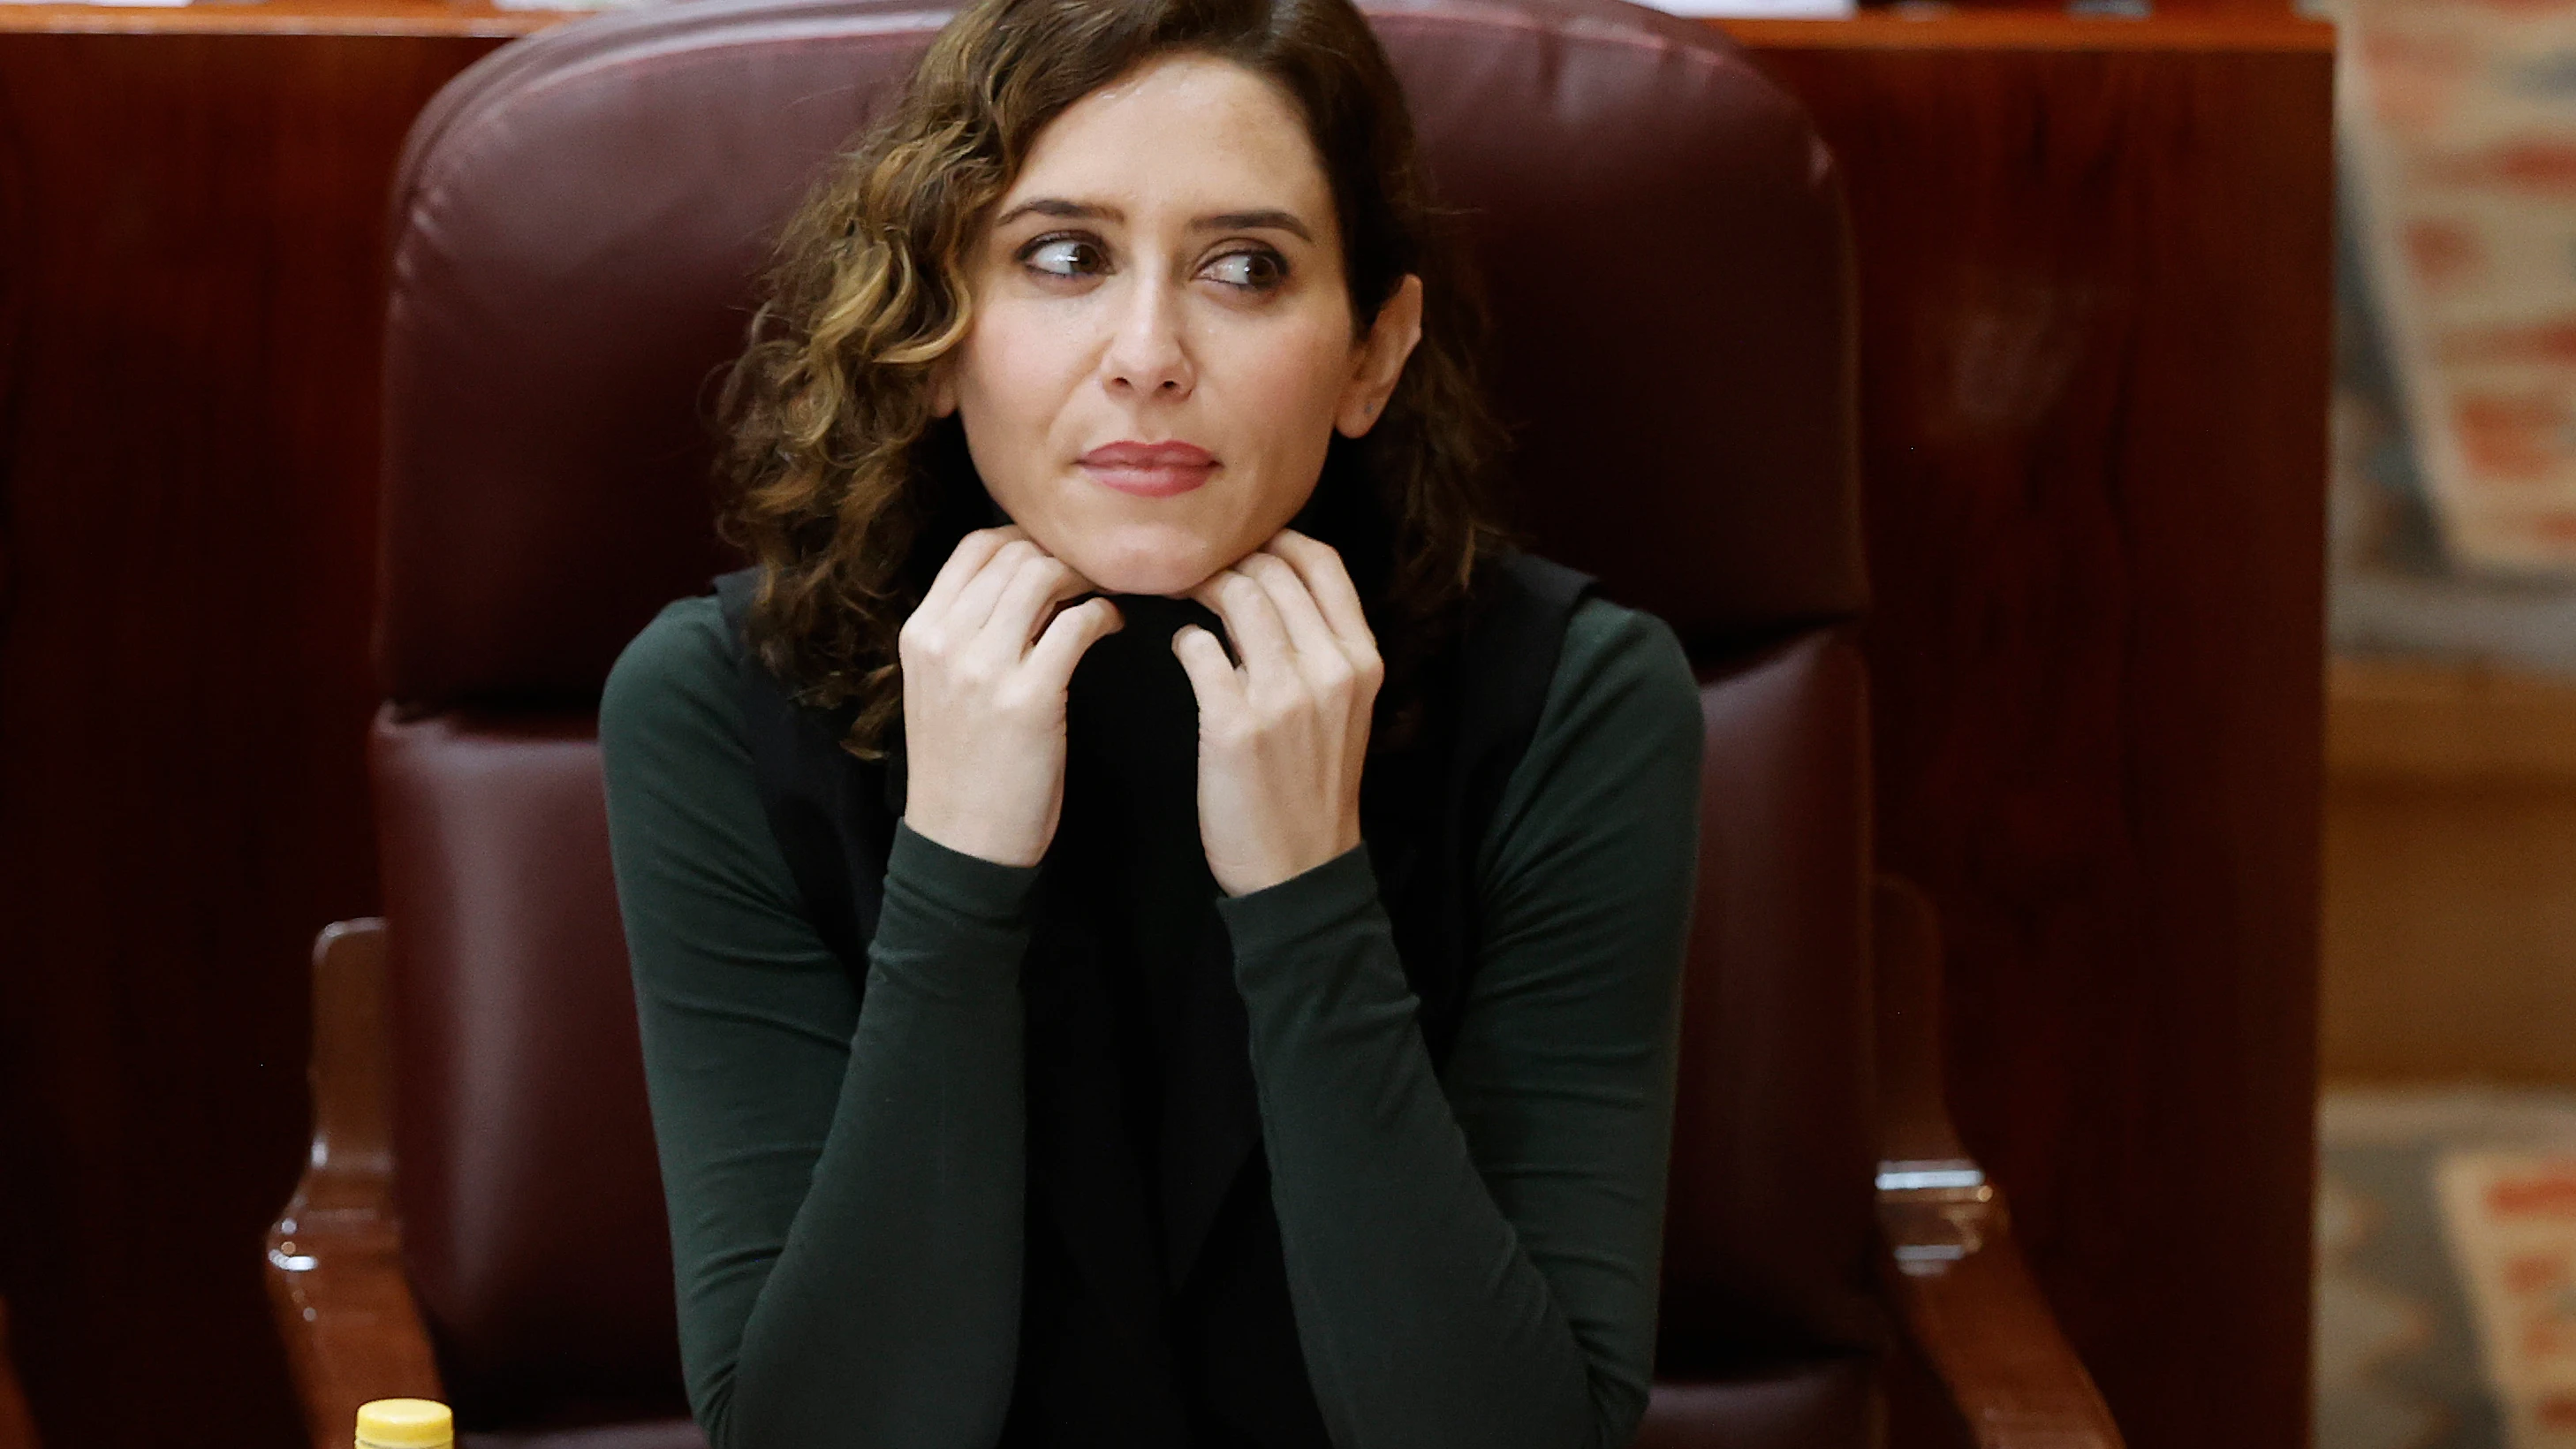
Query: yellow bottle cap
[{"x": 405, "y": 1424}]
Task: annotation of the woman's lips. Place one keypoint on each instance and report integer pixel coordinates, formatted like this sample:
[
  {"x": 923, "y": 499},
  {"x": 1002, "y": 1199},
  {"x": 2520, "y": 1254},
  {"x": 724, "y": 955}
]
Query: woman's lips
[{"x": 1150, "y": 470}]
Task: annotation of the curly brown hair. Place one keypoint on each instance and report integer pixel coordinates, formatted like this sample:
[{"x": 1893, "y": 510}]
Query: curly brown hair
[{"x": 849, "y": 492}]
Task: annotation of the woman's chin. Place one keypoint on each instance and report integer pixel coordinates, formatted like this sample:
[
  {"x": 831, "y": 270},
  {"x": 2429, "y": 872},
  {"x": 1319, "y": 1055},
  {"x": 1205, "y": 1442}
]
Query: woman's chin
[
  {"x": 1161, "y": 583},
  {"x": 1168, "y": 571}
]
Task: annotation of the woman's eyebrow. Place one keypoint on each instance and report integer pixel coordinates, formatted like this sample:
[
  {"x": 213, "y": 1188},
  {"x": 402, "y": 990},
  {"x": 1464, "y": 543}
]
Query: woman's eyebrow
[
  {"x": 1255, "y": 221},
  {"x": 1266, "y": 219},
  {"x": 1059, "y": 208}
]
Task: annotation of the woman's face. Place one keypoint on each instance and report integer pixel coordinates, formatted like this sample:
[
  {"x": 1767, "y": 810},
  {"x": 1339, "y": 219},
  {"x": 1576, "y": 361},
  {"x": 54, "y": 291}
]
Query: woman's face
[{"x": 1162, "y": 342}]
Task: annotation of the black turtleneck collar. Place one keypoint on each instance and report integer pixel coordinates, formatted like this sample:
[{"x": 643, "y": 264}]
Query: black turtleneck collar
[{"x": 1129, "y": 837}]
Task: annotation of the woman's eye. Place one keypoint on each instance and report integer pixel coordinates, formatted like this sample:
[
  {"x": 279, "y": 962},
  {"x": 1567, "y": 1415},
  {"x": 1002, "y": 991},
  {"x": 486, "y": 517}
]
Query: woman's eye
[
  {"x": 1063, "y": 256},
  {"x": 1256, "y": 271}
]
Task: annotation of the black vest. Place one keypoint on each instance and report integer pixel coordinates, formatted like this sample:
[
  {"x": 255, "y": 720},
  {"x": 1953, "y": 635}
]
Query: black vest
[{"x": 1155, "y": 1310}]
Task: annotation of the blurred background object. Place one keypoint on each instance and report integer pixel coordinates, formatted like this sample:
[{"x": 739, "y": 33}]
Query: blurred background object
[
  {"x": 2446, "y": 1287},
  {"x": 2458, "y": 140}
]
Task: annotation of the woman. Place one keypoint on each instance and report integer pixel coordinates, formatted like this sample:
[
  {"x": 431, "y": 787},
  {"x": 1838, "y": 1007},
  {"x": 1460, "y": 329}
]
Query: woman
[{"x": 1150, "y": 928}]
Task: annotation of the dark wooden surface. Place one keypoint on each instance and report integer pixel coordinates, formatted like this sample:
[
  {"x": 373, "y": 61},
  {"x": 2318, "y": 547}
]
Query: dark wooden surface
[
  {"x": 189, "y": 240},
  {"x": 2094, "y": 330},
  {"x": 2093, "y": 262},
  {"x": 17, "y": 1428}
]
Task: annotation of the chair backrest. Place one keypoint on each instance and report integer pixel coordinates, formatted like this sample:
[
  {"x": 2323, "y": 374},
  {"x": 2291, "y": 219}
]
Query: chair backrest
[{"x": 577, "y": 226}]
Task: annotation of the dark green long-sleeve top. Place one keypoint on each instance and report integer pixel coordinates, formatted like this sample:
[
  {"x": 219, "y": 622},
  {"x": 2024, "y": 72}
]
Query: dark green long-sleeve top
[{"x": 1472, "y": 1255}]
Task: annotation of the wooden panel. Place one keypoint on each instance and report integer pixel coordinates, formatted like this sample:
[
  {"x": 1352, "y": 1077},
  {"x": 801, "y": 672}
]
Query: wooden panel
[
  {"x": 192, "y": 231},
  {"x": 2094, "y": 333},
  {"x": 17, "y": 1429},
  {"x": 2023, "y": 33},
  {"x": 325, "y": 18}
]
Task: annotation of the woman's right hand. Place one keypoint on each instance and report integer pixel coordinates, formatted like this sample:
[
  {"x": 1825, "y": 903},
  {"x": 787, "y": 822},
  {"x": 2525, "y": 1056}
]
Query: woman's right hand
[{"x": 984, "y": 691}]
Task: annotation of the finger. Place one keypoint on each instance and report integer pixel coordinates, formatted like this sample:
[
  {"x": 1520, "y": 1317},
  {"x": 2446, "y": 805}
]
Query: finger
[
  {"x": 1022, "y": 609},
  {"x": 1245, "y": 609},
  {"x": 1212, "y": 676},
  {"x": 1327, "y": 582},
  {"x": 971, "y": 554},
  {"x": 1314, "y": 639},
  {"x": 974, "y": 603},
  {"x": 1069, "y": 637}
]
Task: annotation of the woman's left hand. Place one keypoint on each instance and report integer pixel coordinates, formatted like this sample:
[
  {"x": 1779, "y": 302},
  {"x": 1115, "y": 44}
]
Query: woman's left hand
[{"x": 1283, "y": 736}]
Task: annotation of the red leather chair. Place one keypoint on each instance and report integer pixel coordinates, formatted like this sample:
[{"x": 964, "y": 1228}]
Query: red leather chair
[{"x": 576, "y": 227}]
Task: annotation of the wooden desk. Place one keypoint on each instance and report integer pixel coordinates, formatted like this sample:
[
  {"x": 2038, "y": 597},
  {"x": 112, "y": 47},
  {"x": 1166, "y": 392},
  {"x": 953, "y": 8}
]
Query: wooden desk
[
  {"x": 2094, "y": 368},
  {"x": 2093, "y": 262}
]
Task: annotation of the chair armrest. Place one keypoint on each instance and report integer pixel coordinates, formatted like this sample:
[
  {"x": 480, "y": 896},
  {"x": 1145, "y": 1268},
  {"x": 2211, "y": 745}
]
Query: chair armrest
[
  {"x": 1951, "y": 1265},
  {"x": 335, "y": 1277},
  {"x": 1969, "y": 1301}
]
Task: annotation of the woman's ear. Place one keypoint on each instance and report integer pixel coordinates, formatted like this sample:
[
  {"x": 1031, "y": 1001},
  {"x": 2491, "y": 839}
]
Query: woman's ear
[
  {"x": 1379, "y": 359},
  {"x": 943, "y": 386}
]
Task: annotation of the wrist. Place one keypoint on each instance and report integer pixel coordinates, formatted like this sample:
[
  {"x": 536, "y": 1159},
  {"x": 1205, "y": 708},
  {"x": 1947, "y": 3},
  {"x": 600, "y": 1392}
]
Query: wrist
[
  {"x": 959, "y": 826},
  {"x": 1298, "y": 858},
  {"x": 961, "y": 833}
]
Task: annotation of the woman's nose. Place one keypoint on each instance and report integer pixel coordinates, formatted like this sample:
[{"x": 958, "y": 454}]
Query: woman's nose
[{"x": 1147, "y": 355}]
